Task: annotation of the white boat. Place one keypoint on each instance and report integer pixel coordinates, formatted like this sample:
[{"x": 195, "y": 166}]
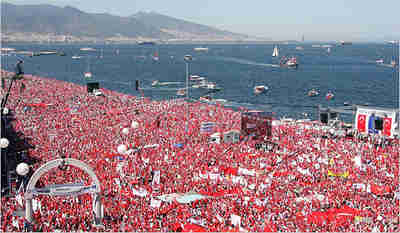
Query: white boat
[
  {"x": 200, "y": 49},
  {"x": 299, "y": 48},
  {"x": 211, "y": 85},
  {"x": 7, "y": 49},
  {"x": 289, "y": 62},
  {"x": 196, "y": 78},
  {"x": 87, "y": 49},
  {"x": 206, "y": 98},
  {"x": 87, "y": 74},
  {"x": 313, "y": 93},
  {"x": 275, "y": 53},
  {"x": 181, "y": 92},
  {"x": 329, "y": 96},
  {"x": 379, "y": 61},
  {"x": 328, "y": 50},
  {"x": 76, "y": 57},
  {"x": 48, "y": 52},
  {"x": 260, "y": 89},
  {"x": 158, "y": 83}
]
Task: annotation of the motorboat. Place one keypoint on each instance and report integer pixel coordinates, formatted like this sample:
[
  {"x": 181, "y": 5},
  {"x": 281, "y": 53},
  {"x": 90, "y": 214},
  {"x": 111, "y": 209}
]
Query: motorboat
[
  {"x": 88, "y": 49},
  {"x": 48, "y": 52},
  {"x": 342, "y": 42},
  {"x": 87, "y": 74},
  {"x": 379, "y": 61},
  {"x": 205, "y": 98},
  {"x": 196, "y": 78},
  {"x": 313, "y": 93},
  {"x": 146, "y": 43},
  {"x": 181, "y": 92},
  {"x": 76, "y": 57},
  {"x": 260, "y": 89},
  {"x": 289, "y": 62},
  {"x": 156, "y": 83},
  {"x": 329, "y": 95},
  {"x": 200, "y": 49},
  {"x": 211, "y": 85}
]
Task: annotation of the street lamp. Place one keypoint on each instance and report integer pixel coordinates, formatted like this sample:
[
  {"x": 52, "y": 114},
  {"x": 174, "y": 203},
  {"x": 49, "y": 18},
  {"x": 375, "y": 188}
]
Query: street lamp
[
  {"x": 187, "y": 58},
  {"x": 4, "y": 143}
]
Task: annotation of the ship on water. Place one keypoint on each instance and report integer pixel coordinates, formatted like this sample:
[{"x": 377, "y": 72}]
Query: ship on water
[
  {"x": 275, "y": 53},
  {"x": 289, "y": 62},
  {"x": 146, "y": 43},
  {"x": 342, "y": 42}
]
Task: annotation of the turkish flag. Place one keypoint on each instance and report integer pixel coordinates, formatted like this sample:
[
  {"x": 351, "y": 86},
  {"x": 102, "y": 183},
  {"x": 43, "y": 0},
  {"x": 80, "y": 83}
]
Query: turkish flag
[
  {"x": 361, "y": 122},
  {"x": 387, "y": 126}
]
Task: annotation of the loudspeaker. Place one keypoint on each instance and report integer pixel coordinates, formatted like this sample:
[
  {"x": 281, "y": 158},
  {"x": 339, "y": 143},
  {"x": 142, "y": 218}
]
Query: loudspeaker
[
  {"x": 379, "y": 124},
  {"x": 324, "y": 117},
  {"x": 137, "y": 85},
  {"x": 92, "y": 86}
]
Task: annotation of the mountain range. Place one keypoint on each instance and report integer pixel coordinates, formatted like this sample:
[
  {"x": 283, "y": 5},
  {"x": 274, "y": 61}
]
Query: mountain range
[{"x": 48, "y": 19}]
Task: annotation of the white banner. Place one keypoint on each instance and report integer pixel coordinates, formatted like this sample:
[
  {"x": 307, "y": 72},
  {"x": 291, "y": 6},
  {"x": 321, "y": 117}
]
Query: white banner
[
  {"x": 155, "y": 203},
  {"x": 235, "y": 219},
  {"x": 156, "y": 178},
  {"x": 141, "y": 193}
]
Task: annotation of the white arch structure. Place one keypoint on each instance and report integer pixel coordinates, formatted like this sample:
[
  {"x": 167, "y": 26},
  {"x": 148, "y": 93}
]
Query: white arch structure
[{"x": 63, "y": 190}]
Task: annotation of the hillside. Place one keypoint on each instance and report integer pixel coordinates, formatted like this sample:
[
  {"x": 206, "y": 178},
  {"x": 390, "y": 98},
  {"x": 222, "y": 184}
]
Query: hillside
[
  {"x": 39, "y": 20},
  {"x": 182, "y": 28},
  {"x": 70, "y": 21}
]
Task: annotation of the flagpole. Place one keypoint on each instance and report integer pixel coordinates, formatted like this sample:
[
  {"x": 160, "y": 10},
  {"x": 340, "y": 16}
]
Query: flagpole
[{"x": 187, "y": 59}]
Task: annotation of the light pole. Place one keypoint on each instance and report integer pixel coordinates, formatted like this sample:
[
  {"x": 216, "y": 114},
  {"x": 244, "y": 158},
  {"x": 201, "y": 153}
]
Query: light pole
[{"x": 187, "y": 58}]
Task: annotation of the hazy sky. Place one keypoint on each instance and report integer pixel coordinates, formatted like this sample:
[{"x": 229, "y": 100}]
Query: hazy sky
[{"x": 356, "y": 20}]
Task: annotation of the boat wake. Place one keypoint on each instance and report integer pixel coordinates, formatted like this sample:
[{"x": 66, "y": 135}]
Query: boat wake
[{"x": 245, "y": 62}]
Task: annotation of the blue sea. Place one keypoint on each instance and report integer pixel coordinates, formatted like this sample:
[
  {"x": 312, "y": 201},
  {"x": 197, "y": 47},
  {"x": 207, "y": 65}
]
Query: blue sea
[{"x": 350, "y": 72}]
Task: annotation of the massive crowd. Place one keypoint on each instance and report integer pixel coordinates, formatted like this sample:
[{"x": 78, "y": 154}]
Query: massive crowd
[{"x": 309, "y": 182}]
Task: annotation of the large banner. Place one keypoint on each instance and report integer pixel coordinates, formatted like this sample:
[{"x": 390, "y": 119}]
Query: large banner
[
  {"x": 375, "y": 121},
  {"x": 257, "y": 123}
]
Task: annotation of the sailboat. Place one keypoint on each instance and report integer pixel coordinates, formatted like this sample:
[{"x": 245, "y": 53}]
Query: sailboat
[
  {"x": 276, "y": 52},
  {"x": 155, "y": 56}
]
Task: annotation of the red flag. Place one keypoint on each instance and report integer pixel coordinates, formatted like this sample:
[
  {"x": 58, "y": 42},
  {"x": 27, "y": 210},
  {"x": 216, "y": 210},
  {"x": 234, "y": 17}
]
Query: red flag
[
  {"x": 361, "y": 122},
  {"x": 387, "y": 126}
]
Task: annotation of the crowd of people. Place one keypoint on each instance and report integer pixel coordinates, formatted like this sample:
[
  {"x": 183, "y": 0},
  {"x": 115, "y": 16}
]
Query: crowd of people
[{"x": 308, "y": 182}]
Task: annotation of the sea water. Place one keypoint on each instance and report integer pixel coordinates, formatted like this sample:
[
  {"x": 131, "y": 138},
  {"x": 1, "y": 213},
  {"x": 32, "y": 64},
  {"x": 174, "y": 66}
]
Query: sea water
[{"x": 350, "y": 72}]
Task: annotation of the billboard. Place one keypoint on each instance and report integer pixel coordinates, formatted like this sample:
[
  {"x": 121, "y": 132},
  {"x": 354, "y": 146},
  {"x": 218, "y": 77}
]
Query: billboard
[
  {"x": 371, "y": 120},
  {"x": 257, "y": 124}
]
